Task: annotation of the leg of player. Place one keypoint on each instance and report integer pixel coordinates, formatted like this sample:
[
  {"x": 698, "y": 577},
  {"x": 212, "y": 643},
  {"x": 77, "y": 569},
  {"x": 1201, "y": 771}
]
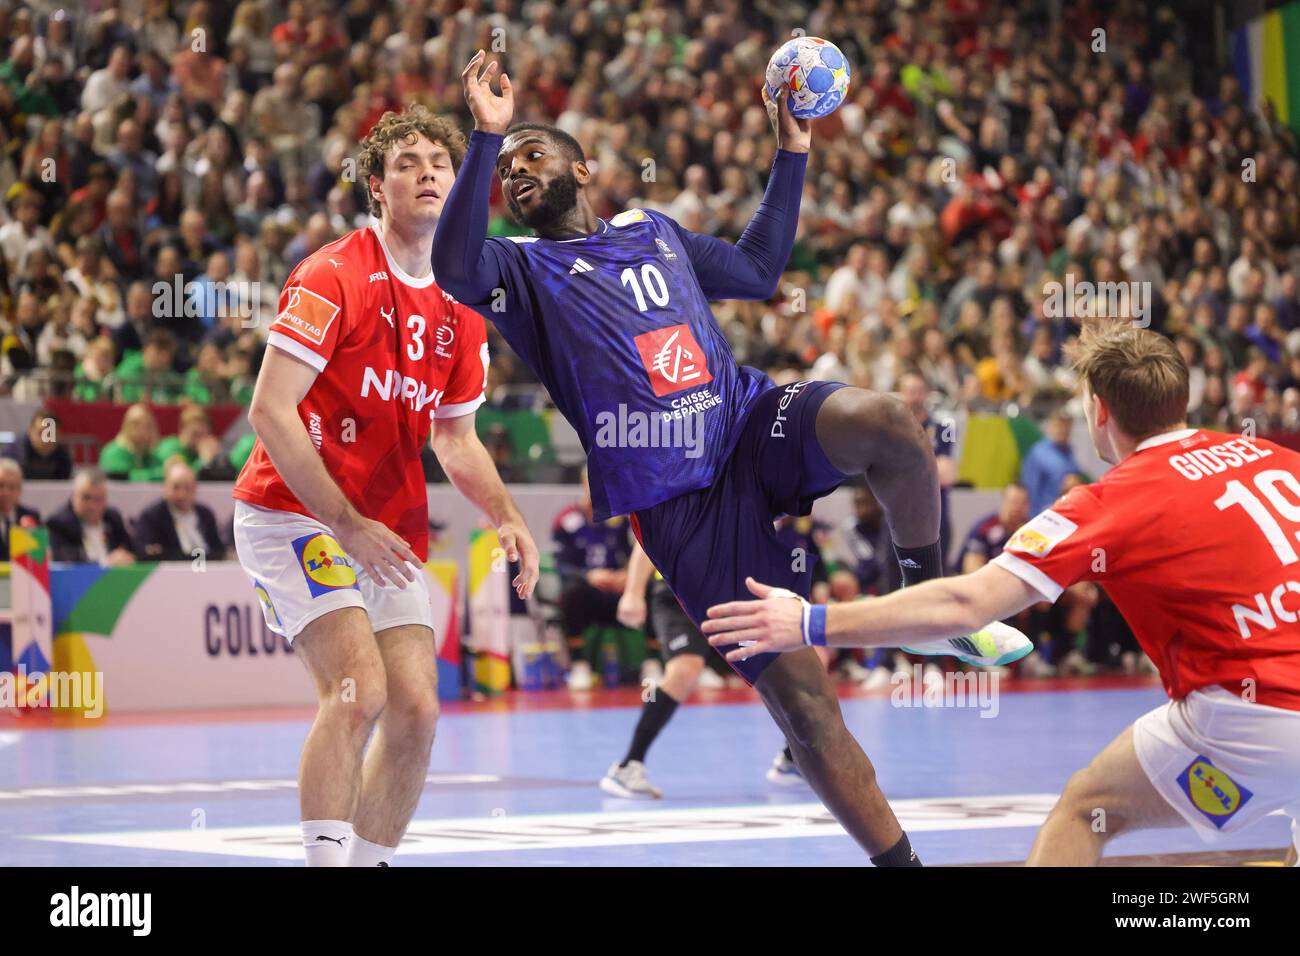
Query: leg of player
[
  {"x": 340, "y": 653},
  {"x": 1112, "y": 795},
  {"x": 628, "y": 778},
  {"x": 397, "y": 760},
  {"x": 799, "y": 695},
  {"x": 873, "y": 434}
]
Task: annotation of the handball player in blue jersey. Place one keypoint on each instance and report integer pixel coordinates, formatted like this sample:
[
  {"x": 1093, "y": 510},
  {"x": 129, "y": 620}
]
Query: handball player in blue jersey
[{"x": 613, "y": 316}]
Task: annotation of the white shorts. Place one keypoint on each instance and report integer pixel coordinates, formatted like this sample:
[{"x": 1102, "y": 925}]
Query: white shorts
[
  {"x": 299, "y": 573},
  {"x": 1221, "y": 762}
]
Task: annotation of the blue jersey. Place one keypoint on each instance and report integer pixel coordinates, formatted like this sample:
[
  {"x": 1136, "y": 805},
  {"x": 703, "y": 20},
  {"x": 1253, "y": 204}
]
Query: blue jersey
[
  {"x": 619, "y": 331},
  {"x": 617, "y": 326}
]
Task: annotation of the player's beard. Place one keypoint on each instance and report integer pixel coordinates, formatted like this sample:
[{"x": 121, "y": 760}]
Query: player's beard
[{"x": 555, "y": 202}]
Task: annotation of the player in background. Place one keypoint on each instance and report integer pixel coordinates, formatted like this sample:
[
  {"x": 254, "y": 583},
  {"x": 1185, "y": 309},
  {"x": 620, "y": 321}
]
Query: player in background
[
  {"x": 683, "y": 648},
  {"x": 366, "y": 358},
  {"x": 1196, "y": 537},
  {"x": 613, "y": 318}
]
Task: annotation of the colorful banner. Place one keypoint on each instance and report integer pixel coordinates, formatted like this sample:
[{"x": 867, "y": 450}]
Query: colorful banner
[
  {"x": 33, "y": 632},
  {"x": 169, "y": 636},
  {"x": 445, "y": 598},
  {"x": 1266, "y": 60},
  {"x": 489, "y": 611},
  {"x": 993, "y": 449}
]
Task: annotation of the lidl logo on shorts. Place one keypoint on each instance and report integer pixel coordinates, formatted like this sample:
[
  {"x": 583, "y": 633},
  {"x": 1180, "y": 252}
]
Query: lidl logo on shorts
[
  {"x": 1212, "y": 791},
  {"x": 324, "y": 564},
  {"x": 1042, "y": 534},
  {"x": 260, "y": 590}
]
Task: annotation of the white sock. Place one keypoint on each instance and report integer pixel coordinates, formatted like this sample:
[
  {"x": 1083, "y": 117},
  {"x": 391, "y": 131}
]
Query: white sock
[
  {"x": 326, "y": 842},
  {"x": 364, "y": 853}
]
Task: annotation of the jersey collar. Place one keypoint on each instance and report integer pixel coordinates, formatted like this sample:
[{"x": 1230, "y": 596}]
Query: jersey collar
[
  {"x": 405, "y": 277},
  {"x": 604, "y": 228},
  {"x": 1166, "y": 438}
]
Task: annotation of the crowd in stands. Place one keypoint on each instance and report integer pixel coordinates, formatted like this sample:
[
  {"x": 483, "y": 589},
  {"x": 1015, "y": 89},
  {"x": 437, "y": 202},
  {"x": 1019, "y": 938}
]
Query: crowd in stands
[
  {"x": 986, "y": 151},
  {"x": 89, "y": 530}
]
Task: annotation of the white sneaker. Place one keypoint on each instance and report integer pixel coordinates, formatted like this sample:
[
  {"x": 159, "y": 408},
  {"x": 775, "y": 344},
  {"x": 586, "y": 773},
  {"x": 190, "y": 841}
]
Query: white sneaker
[
  {"x": 580, "y": 676},
  {"x": 991, "y": 646},
  {"x": 710, "y": 680},
  {"x": 878, "y": 678},
  {"x": 784, "y": 773},
  {"x": 630, "y": 782}
]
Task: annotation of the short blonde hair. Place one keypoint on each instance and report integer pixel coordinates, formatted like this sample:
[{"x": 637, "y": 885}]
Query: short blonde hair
[
  {"x": 1139, "y": 373},
  {"x": 402, "y": 128}
]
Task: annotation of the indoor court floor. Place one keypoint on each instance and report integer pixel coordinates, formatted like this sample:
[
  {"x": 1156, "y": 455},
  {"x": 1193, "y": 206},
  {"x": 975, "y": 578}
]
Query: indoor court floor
[{"x": 512, "y": 782}]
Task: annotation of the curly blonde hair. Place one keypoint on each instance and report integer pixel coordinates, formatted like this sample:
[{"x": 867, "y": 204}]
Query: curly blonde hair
[{"x": 394, "y": 129}]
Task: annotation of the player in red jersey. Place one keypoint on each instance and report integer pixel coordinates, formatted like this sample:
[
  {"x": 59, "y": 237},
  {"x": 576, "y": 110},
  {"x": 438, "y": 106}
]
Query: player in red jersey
[
  {"x": 1196, "y": 537},
  {"x": 366, "y": 358}
]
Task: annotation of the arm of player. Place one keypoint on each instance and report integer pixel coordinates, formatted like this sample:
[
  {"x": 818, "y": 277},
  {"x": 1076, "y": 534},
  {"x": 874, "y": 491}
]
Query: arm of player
[
  {"x": 751, "y": 269},
  {"x": 471, "y": 469},
  {"x": 464, "y": 263},
  {"x": 631, "y": 610},
  {"x": 282, "y": 383},
  {"x": 937, "y": 609}
]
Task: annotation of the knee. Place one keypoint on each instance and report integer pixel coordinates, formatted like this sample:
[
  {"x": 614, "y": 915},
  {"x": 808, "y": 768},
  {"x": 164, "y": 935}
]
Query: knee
[
  {"x": 357, "y": 704},
  {"x": 413, "y": 715},
  {"x": 885, "y": 417},
  {"x": 681, "y": 676},
  {"x": 1082, "y": 803},
  {"x": 879, "y": 420}
]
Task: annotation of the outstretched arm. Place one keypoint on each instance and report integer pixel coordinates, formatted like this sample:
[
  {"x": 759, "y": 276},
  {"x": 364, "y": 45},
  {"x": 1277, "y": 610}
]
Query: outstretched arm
[
  {"x": 933, "y": 610},
  {"x": 464, "y": 263},
  {"x": 751, "y": 269}
]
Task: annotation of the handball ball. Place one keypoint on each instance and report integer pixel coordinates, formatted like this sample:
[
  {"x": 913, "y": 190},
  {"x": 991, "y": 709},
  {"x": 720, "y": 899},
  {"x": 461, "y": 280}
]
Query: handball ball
[{"x": 815, "y": 72}]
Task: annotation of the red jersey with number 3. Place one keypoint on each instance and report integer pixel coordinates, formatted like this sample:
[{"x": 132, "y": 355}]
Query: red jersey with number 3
[
  {"x": 393, "y": 352},
  {"x": 1196, "y": 538}
]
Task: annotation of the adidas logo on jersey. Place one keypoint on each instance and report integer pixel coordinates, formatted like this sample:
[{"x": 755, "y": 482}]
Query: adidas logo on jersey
[{"x": 580, "y": 266}]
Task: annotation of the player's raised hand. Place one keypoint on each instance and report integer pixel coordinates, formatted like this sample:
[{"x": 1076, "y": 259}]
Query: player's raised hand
[
  {"x": 386, "y": 557},
  {"x": 772, "y": 624},
  {"x": 792, "y": 134},
  {"x": 519, "y": 547},
  {"x": 491, "y": 111}
]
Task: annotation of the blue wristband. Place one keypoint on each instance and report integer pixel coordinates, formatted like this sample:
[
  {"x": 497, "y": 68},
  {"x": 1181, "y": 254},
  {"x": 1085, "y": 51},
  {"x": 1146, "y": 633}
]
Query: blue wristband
[{"x": 814, "y": 625}]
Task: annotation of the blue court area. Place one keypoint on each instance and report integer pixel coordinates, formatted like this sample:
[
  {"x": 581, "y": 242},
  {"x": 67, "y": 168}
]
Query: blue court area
[{"x": 519, "y": 788}]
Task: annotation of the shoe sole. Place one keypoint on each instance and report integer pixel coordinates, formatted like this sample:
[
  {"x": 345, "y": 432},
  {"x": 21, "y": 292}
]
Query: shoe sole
[
  {"x": 1010, "y": 657},
  {"x": 616, "y": 789}
]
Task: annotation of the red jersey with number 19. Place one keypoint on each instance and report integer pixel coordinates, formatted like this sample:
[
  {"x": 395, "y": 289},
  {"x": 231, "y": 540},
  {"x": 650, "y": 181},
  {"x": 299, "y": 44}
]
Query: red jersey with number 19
[
  {"x": 393, "y": 352},
  {"x": 1196, "y": 538}
]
